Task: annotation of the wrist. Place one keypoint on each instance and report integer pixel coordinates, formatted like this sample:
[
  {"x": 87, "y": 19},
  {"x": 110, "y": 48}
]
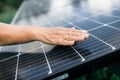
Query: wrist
[{"x": 37, "y": 33}]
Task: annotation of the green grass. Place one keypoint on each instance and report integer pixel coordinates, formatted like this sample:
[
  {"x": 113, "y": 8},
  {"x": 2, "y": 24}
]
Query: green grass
[{"x": 7, "y": 16}]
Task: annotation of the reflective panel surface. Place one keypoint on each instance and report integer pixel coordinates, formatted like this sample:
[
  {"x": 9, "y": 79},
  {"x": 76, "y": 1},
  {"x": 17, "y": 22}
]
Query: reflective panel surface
[{"x": 36, "y": 60}]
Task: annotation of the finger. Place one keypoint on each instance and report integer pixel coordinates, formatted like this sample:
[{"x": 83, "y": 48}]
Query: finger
[
  {"x": 76, "y": 32},
  {"x": 84, "y": 31},
  {"x": 80, "y": 38},
  {"x": 86, "y": 35},
  {"x": 80, "y": 31},
  {"x": 76, "y": 38},
  {"x": 65, "y": 42},
  {"x": 73, "y": 33},
  {"x": 72, "y": 29}
]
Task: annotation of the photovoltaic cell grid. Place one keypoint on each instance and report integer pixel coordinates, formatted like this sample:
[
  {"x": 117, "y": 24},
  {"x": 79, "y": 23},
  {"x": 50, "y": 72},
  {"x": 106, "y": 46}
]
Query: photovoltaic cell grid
[{"x": 36, "y": 60}]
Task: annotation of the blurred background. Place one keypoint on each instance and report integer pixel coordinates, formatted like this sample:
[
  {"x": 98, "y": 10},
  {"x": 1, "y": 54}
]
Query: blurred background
[{"x": 8, "y": 8}]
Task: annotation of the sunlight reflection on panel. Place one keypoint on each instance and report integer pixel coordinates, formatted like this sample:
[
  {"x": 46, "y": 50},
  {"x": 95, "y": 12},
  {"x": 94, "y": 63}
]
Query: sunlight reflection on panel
[
  {"x": 104, "y": 6},
  {"x": 116, "y": 3},
  {"x": 59, "y": 3}
]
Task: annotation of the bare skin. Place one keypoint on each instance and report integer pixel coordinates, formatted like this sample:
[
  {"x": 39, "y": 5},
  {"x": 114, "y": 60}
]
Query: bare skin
[{"x": 12, "y": 34}]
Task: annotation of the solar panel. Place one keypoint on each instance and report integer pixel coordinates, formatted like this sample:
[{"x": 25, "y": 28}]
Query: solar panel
[{"x": 37, "y": 60}]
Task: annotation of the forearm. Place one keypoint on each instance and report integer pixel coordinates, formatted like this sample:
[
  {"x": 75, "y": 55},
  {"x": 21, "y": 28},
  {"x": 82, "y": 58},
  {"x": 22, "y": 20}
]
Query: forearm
[{"x": 11, "y": 34}]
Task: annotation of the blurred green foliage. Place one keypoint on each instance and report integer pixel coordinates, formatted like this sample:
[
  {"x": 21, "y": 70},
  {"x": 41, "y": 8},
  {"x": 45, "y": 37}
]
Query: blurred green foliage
[
  {"x": 8, "y": 9},
  {"x": 8, "y": 4},
  {"x": 13, "y": 3},
  {"x": 102, "y": 74},
  {"x": 7, "y": 17}
]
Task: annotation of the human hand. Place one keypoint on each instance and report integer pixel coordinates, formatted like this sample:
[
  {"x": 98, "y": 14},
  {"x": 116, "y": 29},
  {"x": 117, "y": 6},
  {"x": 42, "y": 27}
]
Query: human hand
[{"x": 59, "y": 35}]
